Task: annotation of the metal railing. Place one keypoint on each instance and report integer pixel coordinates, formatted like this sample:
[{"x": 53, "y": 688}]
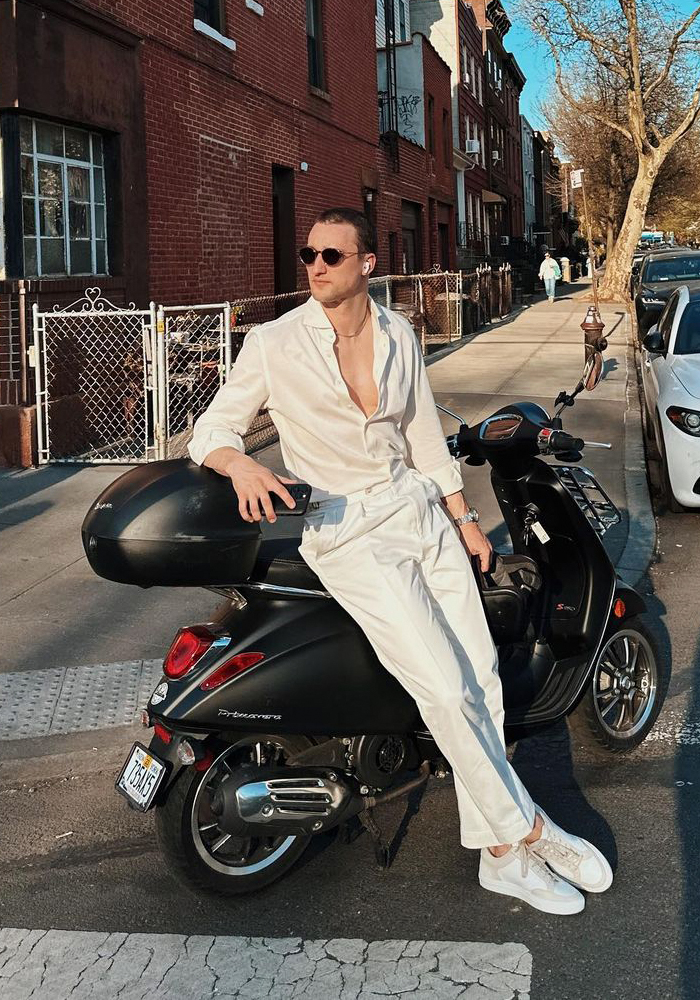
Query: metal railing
[{"x": 125, "y": 385}]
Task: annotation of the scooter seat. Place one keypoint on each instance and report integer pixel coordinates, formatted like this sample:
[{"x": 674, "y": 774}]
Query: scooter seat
[
  {"x": 507, "y": 603},
  {"x": 279, "y": 564}
]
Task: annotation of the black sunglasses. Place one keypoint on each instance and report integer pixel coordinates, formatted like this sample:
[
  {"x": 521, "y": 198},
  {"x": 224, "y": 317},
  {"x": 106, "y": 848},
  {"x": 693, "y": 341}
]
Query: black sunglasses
[{"x": 329, "y": 255}]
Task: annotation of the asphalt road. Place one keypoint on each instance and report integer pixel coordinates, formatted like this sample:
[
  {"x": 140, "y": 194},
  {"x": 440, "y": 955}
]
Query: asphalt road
[{"x": 639, "y": 941}]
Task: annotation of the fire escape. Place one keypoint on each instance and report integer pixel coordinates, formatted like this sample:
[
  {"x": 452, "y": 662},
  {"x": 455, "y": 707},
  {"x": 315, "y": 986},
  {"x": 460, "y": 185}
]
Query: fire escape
[{"x": 389, "y": 100}]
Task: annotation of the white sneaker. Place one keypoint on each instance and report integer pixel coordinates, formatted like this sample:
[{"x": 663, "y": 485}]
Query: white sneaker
[
  {"x": 522, "y": 874},
  {"x": 572, "y": 857}
]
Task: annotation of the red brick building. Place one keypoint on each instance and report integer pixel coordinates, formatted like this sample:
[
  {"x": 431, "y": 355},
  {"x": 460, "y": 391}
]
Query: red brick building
[
  {"x": 417, "y": 207},
  {"x": 503, "y": 83},
  {"x": 179, "y": 152}
]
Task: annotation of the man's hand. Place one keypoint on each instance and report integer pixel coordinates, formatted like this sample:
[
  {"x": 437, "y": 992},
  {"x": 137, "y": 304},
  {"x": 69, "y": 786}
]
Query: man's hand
[
  {"x": 252, "y": 482},
  {"x": 477, "y": 544}
]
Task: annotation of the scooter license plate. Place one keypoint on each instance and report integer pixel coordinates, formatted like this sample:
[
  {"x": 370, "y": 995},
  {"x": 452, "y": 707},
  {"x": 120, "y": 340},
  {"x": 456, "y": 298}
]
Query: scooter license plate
[{"x": 140, "y": 777}]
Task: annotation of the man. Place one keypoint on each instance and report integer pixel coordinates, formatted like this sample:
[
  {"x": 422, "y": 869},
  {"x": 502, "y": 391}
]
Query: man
[
  {"x": 550, "y": 272},
  {"x": 390, "y": 534}
]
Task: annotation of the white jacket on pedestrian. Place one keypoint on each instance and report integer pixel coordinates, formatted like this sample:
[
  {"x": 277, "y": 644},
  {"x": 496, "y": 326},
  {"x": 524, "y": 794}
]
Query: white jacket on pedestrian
[
  {"x": 549, "y": 269},
  {"x": 288, "y": 366}
]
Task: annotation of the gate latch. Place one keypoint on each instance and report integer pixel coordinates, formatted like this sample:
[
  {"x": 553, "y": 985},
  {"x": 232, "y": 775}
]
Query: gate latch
[{"x": 31, "y": 354}]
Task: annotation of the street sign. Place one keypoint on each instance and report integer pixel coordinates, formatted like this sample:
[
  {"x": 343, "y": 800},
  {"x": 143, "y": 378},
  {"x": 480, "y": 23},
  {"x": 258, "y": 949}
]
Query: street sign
[{"x": 577, "y": 178}]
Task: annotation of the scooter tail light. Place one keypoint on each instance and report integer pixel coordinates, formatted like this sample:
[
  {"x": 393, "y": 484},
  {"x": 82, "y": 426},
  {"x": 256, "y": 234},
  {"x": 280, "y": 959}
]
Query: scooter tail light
[
  {"x": 619, "y": 608},
  {"x": 163, "y": 734},
  {"x": 236, "y": 665},
  {"x": 189, "y": 646}
]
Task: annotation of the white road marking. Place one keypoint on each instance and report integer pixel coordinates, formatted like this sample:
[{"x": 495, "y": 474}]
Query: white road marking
[{"x": 53, "y": 965}]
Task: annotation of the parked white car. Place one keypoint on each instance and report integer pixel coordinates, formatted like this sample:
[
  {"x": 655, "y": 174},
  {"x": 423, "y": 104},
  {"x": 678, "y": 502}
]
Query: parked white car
[{"x": 671, "y": 411}]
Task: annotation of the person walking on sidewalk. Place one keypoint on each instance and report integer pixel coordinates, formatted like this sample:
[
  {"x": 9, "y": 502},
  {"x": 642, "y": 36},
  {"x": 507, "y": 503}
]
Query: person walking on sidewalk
[
  {"x": 390, "y": 534},
  {"x": 550, "y": 272}
]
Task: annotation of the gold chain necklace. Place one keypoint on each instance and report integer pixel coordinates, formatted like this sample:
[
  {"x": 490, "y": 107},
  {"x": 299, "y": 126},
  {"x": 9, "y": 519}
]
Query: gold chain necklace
[{"x": 351, "y": 336}]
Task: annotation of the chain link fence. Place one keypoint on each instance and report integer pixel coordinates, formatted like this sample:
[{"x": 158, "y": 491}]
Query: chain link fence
[
  {"x": 196, "y": 349},
  {"x": 126, "y": 385},
  {"x": 94, "y": 382}
]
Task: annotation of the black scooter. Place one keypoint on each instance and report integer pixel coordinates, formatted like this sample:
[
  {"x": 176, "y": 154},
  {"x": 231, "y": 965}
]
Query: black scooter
[{"x": 275, "y": 721}]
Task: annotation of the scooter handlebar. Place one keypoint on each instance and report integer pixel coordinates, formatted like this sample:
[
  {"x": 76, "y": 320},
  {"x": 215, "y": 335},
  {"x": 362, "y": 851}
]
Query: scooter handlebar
[{"x": 561, "y": 441}]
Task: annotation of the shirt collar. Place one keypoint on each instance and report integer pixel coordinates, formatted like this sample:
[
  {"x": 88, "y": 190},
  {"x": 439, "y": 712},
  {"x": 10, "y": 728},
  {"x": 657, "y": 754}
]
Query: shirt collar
[{"x": 315, "y": 317}]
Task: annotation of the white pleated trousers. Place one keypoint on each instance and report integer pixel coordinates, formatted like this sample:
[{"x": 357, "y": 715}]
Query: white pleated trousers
[{"x": 394, "y": 561}]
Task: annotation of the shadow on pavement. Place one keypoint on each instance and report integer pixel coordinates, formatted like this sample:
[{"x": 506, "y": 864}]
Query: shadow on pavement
[
  {"x": 19, "y": 484},
  {"x": 545, "y": 765}
]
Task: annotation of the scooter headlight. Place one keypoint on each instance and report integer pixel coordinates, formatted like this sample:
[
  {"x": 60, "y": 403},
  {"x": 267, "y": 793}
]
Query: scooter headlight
[{"x": 687, "y": 421}]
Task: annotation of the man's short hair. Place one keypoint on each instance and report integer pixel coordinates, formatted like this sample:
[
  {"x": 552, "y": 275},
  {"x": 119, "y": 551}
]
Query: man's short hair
[{"x": 366, "y": 235}]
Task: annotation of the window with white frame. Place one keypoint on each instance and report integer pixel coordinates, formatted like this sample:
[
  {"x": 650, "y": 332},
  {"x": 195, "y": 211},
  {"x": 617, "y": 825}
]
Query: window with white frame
[
  {"x": 472, "y": 75},
  {"x": 63, "y": 200},
  {"x": 464, "y": 64},
  {"x": 481, "y": 85}
]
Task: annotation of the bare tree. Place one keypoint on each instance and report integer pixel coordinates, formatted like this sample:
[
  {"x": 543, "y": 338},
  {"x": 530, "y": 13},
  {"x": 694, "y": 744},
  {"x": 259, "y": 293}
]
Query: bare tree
[
  {"x": 610, "y": 162},
  {"x": 652, "y": 52}
]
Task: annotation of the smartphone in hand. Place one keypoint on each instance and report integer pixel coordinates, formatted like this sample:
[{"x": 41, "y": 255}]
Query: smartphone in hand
[{"x": 299, "y": 492}]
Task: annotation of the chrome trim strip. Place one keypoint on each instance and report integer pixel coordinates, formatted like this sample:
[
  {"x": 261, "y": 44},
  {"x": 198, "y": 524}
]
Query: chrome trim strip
[{"x": 296, "y": 591}]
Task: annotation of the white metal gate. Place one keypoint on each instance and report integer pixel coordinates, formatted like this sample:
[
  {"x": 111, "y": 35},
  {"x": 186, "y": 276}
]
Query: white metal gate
[{"x": 125, "y": 385}]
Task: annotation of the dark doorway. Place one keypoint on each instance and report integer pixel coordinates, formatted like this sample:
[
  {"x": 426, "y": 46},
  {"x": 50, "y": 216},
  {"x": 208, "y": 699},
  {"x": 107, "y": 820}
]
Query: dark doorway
[
  {"x": 284, "y": 229},
  {"x": 444, "y": 245},
  {"x": 410, "y": 233}
]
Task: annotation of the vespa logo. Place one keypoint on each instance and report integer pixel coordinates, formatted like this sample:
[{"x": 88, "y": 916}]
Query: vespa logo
[
  {"x": 249, "y": 715},
  {"x": 102, "y": 506}
]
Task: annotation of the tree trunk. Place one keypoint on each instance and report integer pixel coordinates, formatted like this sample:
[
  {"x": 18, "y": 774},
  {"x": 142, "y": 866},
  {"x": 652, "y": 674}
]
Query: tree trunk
[{"x": 616, "y": 281}]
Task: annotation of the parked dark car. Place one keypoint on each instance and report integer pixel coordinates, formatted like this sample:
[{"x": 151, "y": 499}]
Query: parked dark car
[
  {"x": 661, "y": 273},
  {"x": 638, "y": 259}
]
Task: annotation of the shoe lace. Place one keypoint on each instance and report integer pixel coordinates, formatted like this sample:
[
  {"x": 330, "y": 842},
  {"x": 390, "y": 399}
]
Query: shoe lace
[
  {"x": 554, "y": 846},
  {"x": 529, "y": 860}
]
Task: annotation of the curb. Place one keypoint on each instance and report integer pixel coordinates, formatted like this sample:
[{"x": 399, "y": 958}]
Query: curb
[{"x": 640, "y": 546}]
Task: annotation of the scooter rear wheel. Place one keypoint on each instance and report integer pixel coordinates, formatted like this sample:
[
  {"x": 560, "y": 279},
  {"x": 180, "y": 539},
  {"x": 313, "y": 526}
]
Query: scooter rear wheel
[
  {"x": 205, "y": 858},
  {"x": 625, "y": 692}
]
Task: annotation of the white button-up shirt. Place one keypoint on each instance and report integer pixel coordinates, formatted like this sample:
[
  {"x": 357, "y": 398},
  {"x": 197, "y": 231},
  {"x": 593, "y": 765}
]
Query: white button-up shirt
[{"x": 289, "y": 367}]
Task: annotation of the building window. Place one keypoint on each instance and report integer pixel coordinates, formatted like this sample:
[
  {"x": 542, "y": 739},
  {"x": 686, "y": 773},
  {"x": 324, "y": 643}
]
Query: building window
[
  {"x": 209, "y": 11},
  {"x": 402, "y": 21},
  {"x": 446, "y": 138},
  {"x": 314, "y": 43},
  {"x": 481, "y": 86},
  {"x": 63, "y": 200},
  {"x": 472, "y": 75},
  {"x": 464, "y": 64},
  {"x": 431, "y": 124}
]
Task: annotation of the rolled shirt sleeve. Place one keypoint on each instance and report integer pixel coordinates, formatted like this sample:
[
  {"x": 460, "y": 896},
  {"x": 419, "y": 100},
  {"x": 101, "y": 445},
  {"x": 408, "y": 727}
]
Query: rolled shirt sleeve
[
  {"x": 427, "y": 449},
  {"x": 233, "y": 408}
]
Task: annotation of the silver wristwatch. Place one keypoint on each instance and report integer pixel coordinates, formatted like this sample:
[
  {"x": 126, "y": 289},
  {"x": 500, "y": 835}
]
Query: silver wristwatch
[{"x": 472, "y": 516}]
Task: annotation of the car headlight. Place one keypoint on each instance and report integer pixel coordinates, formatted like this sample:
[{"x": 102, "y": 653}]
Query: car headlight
[
  {"x": 648, "y": 301},
  {"x": 685, "y": 420}
]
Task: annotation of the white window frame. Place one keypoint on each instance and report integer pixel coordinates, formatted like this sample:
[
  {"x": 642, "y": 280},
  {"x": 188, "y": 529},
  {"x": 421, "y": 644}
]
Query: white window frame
[
  {"x": 472, "y": 75},
  {"x": 65, "y": 162},
  {"x": 464, "y": 64}
]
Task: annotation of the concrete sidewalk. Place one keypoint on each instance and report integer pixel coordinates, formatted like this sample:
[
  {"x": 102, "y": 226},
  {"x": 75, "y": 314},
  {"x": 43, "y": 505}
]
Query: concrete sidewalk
[{"x": 56, "y": 614}]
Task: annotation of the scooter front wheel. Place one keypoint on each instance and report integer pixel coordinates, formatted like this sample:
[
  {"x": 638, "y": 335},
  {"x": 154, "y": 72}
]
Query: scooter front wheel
[
  {"x": 207, "y": 859},
  {"x": 625, "y": 692}
]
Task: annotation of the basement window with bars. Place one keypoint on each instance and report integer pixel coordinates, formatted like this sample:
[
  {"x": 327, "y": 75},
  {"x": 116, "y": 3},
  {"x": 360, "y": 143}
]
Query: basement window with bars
[{"x": 64, "y": 222}]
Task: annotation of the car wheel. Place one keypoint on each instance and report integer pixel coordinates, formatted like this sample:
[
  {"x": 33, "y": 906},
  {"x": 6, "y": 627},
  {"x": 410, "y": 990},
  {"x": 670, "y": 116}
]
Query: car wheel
[{"x": 625, "y": 692}]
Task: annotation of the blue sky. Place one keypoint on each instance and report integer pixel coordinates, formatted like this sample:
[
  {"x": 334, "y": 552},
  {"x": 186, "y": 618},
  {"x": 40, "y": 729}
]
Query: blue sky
[{"x": 536, "y": 63}]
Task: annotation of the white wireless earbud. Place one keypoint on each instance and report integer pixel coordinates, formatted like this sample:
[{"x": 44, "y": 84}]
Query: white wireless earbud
[{"x": 365, "y": 268}]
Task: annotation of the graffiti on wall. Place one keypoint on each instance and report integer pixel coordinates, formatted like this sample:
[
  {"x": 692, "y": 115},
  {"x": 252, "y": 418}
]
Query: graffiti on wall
[{"x": 410, "y": 122}]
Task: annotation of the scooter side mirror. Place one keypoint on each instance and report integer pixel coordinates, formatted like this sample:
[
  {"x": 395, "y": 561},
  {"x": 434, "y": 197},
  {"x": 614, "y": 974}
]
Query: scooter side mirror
[{"x": 593, "y": 371}]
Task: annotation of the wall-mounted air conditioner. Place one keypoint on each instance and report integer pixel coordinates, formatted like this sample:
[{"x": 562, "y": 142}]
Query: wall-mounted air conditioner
[
  {"x": 495, "y": 155},
  {"x": 505, "y": 240},
  {"x": 472, "y": 146}
]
